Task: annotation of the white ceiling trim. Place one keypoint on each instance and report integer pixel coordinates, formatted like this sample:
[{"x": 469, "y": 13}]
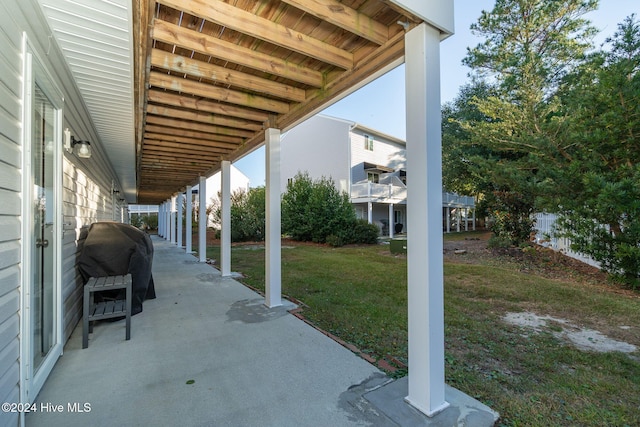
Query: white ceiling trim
[{"x": 96, "y": 39}]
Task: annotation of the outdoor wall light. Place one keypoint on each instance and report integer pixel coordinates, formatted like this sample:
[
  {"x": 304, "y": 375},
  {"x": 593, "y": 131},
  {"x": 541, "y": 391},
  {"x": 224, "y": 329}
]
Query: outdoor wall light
[{"x": 81, "y": 149}]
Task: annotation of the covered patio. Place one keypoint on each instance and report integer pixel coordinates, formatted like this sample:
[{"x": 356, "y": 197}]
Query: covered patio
[
  {"x": 167, "y": 93},
  {"x": 248, "y": 364}
]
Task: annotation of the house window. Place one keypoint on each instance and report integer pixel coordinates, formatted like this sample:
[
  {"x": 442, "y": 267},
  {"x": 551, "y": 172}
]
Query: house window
[
  {"x": 373, "y": 177},
  {"x": 368, "y": 142}
]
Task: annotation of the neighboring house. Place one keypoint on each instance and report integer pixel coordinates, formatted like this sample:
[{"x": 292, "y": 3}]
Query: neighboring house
[
  {"x": 365, "y": 163},
  {"x": 238, "y": 181},
  {"x": 49, "y": 195}
]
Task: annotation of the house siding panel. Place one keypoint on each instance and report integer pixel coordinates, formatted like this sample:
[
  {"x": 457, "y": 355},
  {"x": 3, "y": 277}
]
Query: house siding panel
[
  {"x": 86, "y": 184},
  {"x": 320, "y": 144},
  {"x": 385, "y": 153},
  {"x": 10, "y": 202}
]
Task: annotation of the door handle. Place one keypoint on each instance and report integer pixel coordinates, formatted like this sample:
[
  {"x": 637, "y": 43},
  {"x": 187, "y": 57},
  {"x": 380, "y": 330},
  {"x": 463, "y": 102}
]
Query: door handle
[{"x": 42, "y": 243}]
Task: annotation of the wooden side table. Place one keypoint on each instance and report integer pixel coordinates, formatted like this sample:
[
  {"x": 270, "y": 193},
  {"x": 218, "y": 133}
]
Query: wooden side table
[{"x": 106, "y": 309}]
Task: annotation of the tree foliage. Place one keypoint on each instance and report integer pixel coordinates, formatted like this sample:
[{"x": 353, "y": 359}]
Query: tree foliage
[
  {"x": 247, "y": 214},
  {"x": 557, "y": 130},
  {"x": 316, "y": 211},
  {"x": 602, "y": 216},
  {"x": 529, "y": 47}
]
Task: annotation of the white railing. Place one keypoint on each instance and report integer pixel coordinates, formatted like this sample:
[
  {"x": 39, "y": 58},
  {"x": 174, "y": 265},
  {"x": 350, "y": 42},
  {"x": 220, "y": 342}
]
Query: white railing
[
  {"x": 371, "y": 190},
  {"x": 453, "y": 199},
  {"x": 545, "y": 237}
]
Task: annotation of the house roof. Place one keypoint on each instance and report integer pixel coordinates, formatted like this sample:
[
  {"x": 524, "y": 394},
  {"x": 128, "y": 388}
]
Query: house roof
[{"x": 209, "y": 76}]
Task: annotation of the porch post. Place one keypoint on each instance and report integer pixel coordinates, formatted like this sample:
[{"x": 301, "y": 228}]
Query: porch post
[
  {"x": 179, "y": 219},
  {"x": 273, "y": 255},
  {"x": 425, "y": 269},
  {"x": 202, "y": 219},
  {"x": 188, "y": 218},
  {"x": 167, "y": 218},
  {"x": 458, "y": 218},
  {"x": 172, "y": 216},
  {"x": 466, "y": 219},
  {"x": 391, "y": 224},
  {"x": 160, "y": 220},
  {"x": 369, "y": 212},
  {"x": 474, "y": 218},
  {"x": 448, "y": 210},
  {"x": 225, "y": 232}
]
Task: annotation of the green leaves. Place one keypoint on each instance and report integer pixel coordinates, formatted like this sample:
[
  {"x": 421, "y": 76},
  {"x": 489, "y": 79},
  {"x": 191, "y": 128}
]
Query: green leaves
[{"x": 555, "y": 125}]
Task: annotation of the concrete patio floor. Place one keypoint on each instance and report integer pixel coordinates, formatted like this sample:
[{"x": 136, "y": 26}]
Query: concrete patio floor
[{"x": 207, "y": 352}]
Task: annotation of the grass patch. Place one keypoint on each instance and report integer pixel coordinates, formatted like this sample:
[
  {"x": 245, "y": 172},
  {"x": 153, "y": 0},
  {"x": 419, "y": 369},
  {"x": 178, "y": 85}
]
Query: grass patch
[{"x": 532, "y": 379}]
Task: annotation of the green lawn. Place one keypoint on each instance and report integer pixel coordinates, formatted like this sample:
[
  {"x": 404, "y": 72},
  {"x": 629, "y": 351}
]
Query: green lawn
[{"x": 532, "y": 379}]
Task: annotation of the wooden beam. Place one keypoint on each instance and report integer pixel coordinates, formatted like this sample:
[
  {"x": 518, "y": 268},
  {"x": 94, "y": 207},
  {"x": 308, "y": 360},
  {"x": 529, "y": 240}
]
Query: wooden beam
[
  {"x": 194, "y": 134},
  {"x": 192, "y": 161},
  {"x": 192, "y": 67},
  {"x": 168, "y": 146},
  {"x": 208, "y": 45},
  {"x": 231, "y": 112},
  {"x": 199, "y": 127},
  {"x": 180, "y": 84},
  {"x": 213, "y": 142},
  {"x": 344, "y": 17},
  {"x": 206, "y": 118},
  {"x": 159, "y": 163},
  {"x": 255, "y": 26}
]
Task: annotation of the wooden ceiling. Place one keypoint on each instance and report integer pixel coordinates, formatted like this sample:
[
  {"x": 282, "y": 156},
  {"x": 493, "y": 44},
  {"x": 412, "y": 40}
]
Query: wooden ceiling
[{"x": 212, "y": 75}]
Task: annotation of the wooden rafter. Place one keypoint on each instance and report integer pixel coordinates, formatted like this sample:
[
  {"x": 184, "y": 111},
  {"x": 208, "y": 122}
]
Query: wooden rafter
[
  {"x": 192, "y": 87},
  {"x": 235, "y": 18},
  {"x": 212, "y": 75},
  {"x": 208, "y": 45},
  {"x": 181, "y": 64},
  {"x": 344, "y": 17}
]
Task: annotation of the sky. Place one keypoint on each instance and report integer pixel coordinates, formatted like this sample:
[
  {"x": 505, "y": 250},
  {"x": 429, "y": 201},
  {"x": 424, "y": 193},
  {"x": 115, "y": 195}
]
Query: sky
[{"x": 381, "y": 104}]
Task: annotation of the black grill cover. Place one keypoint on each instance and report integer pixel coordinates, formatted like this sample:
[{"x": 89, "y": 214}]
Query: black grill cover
[{"x": 112, "y": 249}]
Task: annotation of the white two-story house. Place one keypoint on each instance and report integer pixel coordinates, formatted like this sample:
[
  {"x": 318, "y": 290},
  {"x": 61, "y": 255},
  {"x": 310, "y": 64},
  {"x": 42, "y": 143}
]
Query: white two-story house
[{"x": 367, "y": 164}]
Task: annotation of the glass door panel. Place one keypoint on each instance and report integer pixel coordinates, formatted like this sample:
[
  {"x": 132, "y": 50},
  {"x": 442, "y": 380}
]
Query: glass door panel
[{"x": 43, "y": 214}]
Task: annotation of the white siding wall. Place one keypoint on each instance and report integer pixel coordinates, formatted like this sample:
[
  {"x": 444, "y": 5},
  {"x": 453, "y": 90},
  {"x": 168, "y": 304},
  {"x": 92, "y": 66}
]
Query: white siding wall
[
  {"x": 320, "y": 146},
  {"x": 239, "y": 181},
  {"x": 87, "y": 195},
  {"x": 10, "y": 202},
  {"x": 87, "y": 198},
  {"x": 385, "y": 152}
]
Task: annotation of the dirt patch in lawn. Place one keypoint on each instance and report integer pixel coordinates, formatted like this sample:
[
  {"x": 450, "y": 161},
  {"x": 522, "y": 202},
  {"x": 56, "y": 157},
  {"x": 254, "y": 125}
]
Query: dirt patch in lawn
[
  {"x": 537, "y": 260},
  {"x": 583, "y": 338}
]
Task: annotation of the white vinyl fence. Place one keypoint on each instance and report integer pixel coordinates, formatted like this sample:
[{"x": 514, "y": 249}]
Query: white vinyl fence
[{"x": 545, "y": 237}]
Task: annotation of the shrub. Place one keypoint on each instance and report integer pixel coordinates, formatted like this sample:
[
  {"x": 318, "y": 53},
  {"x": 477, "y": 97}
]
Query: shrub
[
  {"x": 335, "y": 241},
  {"x": 362, "y": 232},
  {"x": 247, "y": 215},
  {"x": 314, "y": 210}
]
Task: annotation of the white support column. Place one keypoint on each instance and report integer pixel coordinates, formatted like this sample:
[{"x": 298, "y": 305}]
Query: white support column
[
  {"x": 179, "y": 201},
  {"x": 466, "y": 219},
  {"x": 369, "y": 212},
  {"x": 161, "y": 220},
  {"x": 172, "y": 217},
  {"x": 391, "y": 224},
  {"x": 425, "y": 268},
  {"x": 448, "y": 210},
  {"x": 474, "y": 219},
  {"x": 167, "y": 219},
  {"x": 189, "y": 218},
  {"x": 273, "y": 255},
  {"x": 458, "y": 218},
  {"x": 202, "y": 219},
  {"x": 225, "y": 232}
]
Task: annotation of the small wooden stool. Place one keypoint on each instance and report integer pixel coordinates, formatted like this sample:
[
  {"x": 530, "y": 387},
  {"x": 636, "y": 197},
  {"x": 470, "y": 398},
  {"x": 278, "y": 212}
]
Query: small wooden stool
[{"x": 105, "y": 309}]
